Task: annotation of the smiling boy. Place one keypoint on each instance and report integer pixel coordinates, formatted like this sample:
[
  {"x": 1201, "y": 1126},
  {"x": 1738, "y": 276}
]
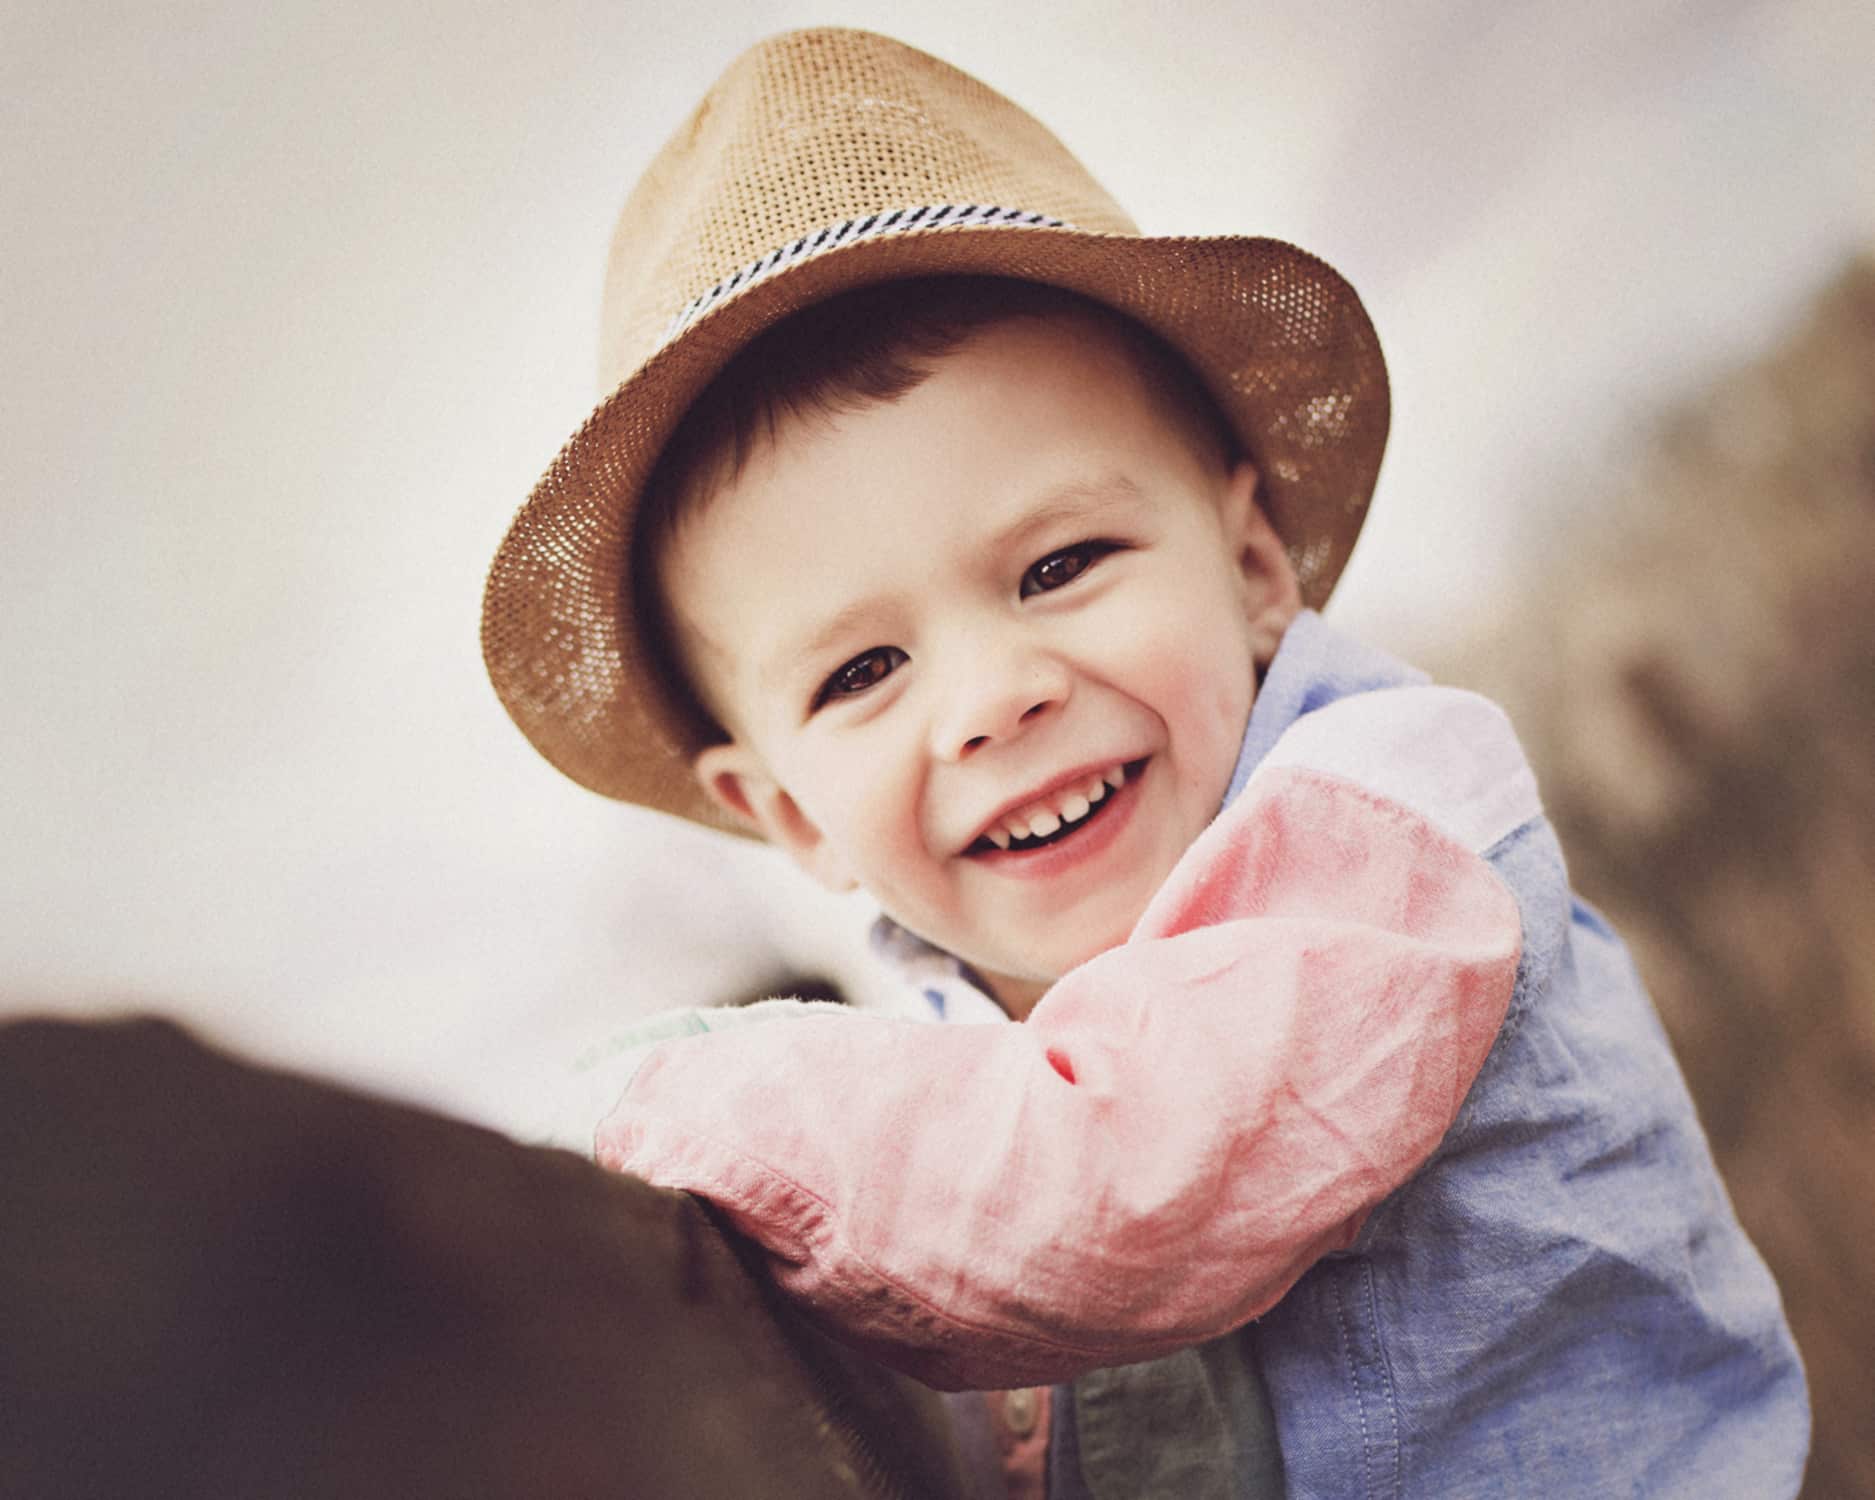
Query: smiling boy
[
  {"x": 1056, "y": 631},
  {"x": 965, "y": 544}
]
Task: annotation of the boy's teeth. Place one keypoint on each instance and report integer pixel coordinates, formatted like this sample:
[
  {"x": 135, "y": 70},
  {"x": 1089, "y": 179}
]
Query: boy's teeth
[{"x": 1039, "y": 819}]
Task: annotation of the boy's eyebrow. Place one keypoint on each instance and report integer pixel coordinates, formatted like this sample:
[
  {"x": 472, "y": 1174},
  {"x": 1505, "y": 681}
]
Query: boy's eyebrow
[
  {"x": 1077, "y": 499},
  {"x": 832, "y": 629}
]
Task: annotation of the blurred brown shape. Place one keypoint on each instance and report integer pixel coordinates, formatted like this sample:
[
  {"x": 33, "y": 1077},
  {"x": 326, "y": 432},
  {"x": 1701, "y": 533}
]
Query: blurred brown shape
[
  {"x": 219, "y": 1280},
  {"x": 1698, "y": 695}
]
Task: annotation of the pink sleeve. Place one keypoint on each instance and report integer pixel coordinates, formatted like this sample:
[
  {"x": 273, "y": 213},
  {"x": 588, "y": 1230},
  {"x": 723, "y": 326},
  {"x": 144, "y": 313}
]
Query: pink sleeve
[{"x": 1182, "y": 1127}]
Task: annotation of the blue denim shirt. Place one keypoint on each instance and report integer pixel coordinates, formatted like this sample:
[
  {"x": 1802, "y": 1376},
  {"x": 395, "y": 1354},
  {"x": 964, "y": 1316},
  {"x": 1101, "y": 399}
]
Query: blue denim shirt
[{"x": 1560, "y": 1303}]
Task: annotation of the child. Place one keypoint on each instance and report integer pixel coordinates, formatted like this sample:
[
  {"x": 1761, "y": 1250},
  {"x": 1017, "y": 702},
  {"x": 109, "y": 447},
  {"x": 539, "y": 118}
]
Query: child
[{"x": 964, "y": 543}]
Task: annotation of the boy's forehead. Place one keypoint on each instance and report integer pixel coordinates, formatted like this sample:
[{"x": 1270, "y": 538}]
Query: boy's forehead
[
  {"x": 1030, "y": 423},
  {"x": 1052, "y": 398},
  {"x": 1075, "y": 369}
]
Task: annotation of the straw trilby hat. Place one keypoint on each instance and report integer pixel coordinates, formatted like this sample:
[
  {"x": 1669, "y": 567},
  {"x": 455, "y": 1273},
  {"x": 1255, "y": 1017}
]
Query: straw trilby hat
[{"x": 830, "y": 159}]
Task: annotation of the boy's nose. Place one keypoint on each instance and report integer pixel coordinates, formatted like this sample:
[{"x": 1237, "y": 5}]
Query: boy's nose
[{"x": 997, "y": 698}]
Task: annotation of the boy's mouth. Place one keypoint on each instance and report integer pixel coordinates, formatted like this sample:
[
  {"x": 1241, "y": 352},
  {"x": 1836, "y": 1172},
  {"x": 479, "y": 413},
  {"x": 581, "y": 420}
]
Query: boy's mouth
[{"x": 1059, "y": 815}]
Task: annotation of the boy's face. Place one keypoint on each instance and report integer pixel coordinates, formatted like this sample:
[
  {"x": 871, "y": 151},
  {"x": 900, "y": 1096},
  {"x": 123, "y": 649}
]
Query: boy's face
[{"x": 933, "y": 622}]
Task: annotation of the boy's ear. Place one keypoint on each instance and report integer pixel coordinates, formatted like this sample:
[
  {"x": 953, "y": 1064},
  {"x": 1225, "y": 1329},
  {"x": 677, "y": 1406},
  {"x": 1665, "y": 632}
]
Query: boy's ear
[
  {"x": 1272, "y": 594},
  {"x": 738, "y": 782}
]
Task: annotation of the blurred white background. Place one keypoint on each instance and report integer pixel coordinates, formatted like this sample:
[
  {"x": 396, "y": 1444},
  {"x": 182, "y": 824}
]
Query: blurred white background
[{"x": 297, "y": 301}]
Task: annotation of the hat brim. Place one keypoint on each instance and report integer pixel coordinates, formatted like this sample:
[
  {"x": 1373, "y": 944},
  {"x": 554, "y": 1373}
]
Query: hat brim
[{"x": 1279, "y": 338}]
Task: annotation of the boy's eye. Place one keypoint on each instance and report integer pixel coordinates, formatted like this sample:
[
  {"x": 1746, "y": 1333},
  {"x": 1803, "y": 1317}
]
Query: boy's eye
[
  {"x": 862, "y": 672},
  {"x": 1064, "y": 566}
]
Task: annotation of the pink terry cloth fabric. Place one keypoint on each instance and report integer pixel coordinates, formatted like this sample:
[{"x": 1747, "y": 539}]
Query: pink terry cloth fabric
[{"x": 1183, "y": 1125}]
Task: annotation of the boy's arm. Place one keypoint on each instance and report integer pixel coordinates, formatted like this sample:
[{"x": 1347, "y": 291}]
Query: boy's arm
[
  {"x": 1184, "y": 1124},
  {"x": 606, "y": 1066}
]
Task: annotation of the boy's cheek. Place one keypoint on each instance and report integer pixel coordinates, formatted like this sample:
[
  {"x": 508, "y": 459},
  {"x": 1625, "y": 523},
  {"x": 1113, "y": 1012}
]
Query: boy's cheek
[
  {"x": 873, "y": 820},
  {"x": 1204, "y": 696}
]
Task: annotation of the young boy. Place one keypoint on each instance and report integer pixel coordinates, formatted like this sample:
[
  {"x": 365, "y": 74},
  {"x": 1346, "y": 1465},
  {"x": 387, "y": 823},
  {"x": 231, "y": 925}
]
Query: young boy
[{"x": 964, "y": 543}]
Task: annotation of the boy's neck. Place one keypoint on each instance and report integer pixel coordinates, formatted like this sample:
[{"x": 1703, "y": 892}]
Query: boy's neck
[{"x": 1017, "y": 997}]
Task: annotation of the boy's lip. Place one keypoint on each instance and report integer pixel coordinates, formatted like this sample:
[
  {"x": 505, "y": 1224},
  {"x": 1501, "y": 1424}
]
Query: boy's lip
[
  {"x": 1133, "y": 765},
  {"x": 1088, "y": 841}
]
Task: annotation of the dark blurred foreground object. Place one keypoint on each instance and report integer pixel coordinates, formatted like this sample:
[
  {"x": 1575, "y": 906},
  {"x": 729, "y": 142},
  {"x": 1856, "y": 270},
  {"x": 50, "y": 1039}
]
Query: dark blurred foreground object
[
  {"x": 1697, "y": 691},
  {"x": 222, "y": 1281}
]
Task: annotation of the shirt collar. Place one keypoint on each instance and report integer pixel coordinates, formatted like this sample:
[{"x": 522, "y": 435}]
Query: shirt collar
[
  {"x": 1315, "y": 665},
  {"x": 946, "y": 984}
]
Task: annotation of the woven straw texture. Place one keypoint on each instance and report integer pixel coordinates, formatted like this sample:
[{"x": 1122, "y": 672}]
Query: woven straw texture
[{"x": 837, "y": 129}]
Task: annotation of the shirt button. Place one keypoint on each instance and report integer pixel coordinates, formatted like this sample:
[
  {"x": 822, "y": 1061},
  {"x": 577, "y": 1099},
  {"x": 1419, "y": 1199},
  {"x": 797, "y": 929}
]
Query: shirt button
[{"x": 1020, "y": 1409}]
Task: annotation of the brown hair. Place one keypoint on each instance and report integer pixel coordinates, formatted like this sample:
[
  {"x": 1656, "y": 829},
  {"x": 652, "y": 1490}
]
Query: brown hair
[{"x": 866, "y": 346}]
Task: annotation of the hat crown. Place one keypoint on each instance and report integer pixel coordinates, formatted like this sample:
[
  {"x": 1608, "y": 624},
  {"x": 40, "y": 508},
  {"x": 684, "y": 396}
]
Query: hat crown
[{"x": 812, "y": 129}]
